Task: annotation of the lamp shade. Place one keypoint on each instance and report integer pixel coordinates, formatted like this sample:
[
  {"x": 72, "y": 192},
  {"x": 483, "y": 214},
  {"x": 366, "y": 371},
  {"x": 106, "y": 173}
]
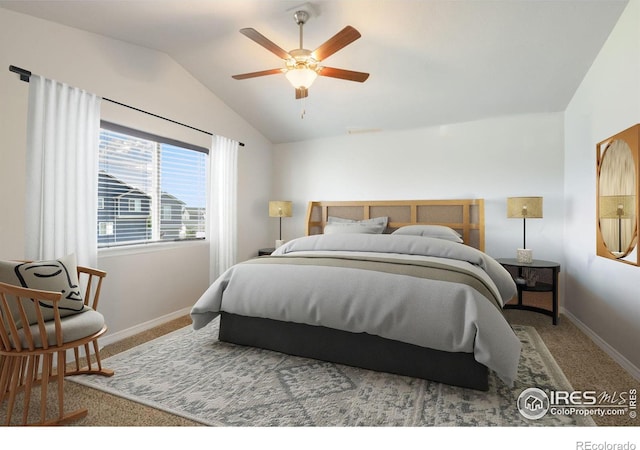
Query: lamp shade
[
  {"x": 617, "y": 206},
  {"x": 524, "y": 207},
  {"x": 301, "y": 78},
  {"x": 279, "y": 208}
]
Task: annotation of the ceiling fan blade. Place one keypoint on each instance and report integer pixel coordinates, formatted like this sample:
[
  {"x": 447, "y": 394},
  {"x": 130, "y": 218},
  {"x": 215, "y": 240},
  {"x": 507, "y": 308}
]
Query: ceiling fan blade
[
  {"x": 343, "y": 38},
  {"x": 343, "y": 74},
  {"x": 266, "y": 43},
  {"x": 301, "y": 93},
  {"x": 262, "y": 73}
]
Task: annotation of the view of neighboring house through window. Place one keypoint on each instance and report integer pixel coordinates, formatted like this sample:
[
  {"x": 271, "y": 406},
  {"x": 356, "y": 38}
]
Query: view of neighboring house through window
[{"x": 150, "y": 188}]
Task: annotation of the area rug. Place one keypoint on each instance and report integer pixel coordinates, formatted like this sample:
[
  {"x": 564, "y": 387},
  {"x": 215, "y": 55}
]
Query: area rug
[{"x": 192, "y": 374}]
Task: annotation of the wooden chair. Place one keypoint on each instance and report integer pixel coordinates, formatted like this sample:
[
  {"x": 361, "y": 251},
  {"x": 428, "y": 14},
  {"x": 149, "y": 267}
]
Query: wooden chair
[
  {"x": 91, "y": 284},
  {"x": 90, "y": 280},
  {"x": 27, "y": 352}
]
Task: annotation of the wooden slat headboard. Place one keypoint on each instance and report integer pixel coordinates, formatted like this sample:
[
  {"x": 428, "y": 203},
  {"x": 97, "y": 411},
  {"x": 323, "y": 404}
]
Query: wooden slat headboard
[{"x": 466, "y": 216}]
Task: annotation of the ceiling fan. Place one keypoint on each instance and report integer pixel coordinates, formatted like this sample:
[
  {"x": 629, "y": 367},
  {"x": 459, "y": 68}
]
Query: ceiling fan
[{"x": 302, "y": 65}]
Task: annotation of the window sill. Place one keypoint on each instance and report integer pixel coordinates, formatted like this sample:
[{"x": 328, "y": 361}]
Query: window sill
[{"x": 149, "y": 248}]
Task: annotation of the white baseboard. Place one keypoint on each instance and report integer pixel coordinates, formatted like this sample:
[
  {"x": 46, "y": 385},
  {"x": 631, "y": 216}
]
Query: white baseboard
[
  {"x": 115, "y": 337},
  {"x": 608, "y": 349}
]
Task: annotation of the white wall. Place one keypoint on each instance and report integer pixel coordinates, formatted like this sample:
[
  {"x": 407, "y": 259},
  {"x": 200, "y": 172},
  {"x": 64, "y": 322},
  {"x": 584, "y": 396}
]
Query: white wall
[
  {"x": 142, "y": 286},
  {"x": 491, "y": 159},
  {"x": 603, "y": 295}
]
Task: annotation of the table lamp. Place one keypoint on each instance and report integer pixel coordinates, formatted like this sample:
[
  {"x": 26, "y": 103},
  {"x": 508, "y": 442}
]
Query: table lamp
[
  {"x": 524, "y": 208},
  {"x": 280, "y": 209}
]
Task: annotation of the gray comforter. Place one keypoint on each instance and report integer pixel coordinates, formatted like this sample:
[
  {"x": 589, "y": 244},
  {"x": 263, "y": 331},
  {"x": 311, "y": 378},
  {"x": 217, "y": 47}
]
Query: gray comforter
[{"x": 419, "y": 290}]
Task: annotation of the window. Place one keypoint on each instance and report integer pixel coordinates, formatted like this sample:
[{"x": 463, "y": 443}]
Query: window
[
  {"x": 151, "y": 189},
  {"x": 135, "y": 204},
  {"x": 105, "y": 228},
  {"x": 166, "y": 212}
]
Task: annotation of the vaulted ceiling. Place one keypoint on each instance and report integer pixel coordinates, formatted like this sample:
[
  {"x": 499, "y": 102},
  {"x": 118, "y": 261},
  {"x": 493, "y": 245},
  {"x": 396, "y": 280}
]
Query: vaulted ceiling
[{"x": 431, "y": 62}]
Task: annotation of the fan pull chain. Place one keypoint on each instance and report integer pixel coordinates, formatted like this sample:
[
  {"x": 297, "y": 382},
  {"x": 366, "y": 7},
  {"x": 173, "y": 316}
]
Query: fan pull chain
[{"x": 303, "y": 110}]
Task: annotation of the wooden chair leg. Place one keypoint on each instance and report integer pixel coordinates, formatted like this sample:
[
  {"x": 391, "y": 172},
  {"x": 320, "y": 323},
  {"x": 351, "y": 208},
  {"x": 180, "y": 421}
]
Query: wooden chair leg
[
  {"x": 21, "y": 371},
  {"x": 31, "y": 375},
  {"x": 44, "y": 383},
  {"x": 37, "y": 366},
  {"x": 101, "y": 370},
  {"x": 61, "y": 366},
  {"x": 14, "y": 367},
  {"x": 4, "y": 378},
  {"x": 89, "y": 369}
]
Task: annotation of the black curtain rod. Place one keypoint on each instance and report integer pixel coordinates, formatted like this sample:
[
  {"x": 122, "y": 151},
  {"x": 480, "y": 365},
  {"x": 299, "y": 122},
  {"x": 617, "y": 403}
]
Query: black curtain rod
[{"x": 25, "y": 75}]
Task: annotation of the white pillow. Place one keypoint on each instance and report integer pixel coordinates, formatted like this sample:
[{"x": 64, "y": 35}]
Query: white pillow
[
  {"x": 60, "y": 275},
  {"x": 434, "y": 231}
]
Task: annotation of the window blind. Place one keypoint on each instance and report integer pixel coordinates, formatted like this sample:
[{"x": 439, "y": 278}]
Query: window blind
[{"x": 150, "y": 188}]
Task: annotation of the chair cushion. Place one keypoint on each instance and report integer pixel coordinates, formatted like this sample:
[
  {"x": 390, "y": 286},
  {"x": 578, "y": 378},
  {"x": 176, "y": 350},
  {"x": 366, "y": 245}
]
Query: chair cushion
[
  {"x": 74, "y": 327},
  {"x": 59, "y": 275}
]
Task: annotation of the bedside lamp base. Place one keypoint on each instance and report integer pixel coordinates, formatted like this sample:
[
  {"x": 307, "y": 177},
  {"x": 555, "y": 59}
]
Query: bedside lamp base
[{"x": 524, "y": 255}]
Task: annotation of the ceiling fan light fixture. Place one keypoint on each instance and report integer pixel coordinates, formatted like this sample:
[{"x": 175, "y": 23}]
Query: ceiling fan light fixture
[
  {"x": 302, "y": 65},
  {"x": 301, "y": 77}
]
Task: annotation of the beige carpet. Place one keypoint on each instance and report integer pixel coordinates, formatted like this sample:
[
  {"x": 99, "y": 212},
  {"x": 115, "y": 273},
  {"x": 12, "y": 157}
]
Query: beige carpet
[{"x": 585, "y": 365}]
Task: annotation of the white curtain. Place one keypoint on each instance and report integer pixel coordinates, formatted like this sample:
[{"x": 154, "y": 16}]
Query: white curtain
[
  {"x": 222, "y": 207},
  {"x": 63, "y": 134}
]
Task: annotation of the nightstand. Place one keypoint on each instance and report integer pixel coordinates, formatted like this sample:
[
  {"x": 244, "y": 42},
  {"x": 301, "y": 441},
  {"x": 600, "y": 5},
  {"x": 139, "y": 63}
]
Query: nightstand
[
  {"x": 265, "y": 251},
  {"x": 546, "y": 271}
]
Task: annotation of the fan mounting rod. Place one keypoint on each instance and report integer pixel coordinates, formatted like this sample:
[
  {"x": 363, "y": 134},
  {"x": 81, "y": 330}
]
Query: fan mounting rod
[
  {"x": 300, "y": 57},
  {"x": 301, "y": 18}
]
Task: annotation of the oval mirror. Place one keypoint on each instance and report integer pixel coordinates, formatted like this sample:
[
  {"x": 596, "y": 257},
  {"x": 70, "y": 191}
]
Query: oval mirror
[{"x": 617, "y": 200}]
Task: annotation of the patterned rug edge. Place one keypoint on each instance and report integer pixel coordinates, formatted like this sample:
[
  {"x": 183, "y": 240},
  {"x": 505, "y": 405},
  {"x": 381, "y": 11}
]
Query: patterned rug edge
[{"x": 556, "y": 370}]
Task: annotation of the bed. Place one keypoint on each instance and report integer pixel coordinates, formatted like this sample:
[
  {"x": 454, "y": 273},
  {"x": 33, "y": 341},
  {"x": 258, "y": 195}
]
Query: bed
[{"x": 395, "y": 286}]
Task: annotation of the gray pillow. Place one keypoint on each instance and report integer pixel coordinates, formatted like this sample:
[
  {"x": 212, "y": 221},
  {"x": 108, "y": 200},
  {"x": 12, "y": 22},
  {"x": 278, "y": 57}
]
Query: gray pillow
[
  {"x": 376, "y": 225},
  {"x": 374, "y": 221},
  {"x": 59, "y": 275},
  {"x": 335, "y": 228},
  {"x": 434, "y": 231}
]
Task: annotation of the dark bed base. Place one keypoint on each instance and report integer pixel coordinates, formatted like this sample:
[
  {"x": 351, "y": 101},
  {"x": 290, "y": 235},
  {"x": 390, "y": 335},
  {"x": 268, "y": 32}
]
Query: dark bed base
[{"x": 355, "y": 349}]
